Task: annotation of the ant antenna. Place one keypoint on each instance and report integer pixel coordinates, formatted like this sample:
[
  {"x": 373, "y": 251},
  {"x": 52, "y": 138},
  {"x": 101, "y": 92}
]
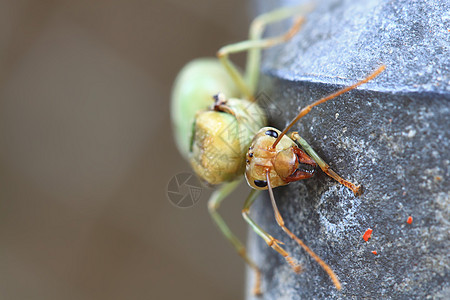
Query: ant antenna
[{"x": 307, "y": 109}]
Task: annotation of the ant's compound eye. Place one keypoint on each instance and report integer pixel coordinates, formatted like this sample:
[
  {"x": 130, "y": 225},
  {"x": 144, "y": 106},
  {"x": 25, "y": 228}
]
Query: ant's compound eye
[
  {"x": 272, "y": 133},
  {"x": 260, "y": 183}
]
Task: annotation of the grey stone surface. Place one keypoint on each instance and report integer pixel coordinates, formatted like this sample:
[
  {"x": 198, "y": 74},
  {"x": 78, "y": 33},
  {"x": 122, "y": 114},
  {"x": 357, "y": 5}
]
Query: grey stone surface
[{"x": 391, "y": 136}]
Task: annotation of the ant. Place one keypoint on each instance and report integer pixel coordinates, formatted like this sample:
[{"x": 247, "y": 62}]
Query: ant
[{"x": 269, "y": 157}]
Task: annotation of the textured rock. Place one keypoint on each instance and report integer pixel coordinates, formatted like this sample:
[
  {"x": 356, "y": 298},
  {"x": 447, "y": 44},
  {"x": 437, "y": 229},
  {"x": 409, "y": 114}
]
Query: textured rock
[{"x": 391, "y": 135}]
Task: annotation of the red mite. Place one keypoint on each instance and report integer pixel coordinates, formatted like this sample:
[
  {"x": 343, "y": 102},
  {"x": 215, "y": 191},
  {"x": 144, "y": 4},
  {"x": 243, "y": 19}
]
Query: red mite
[
  {"x": 367, "y": 234},
  {"x": 410, "y": 219}
]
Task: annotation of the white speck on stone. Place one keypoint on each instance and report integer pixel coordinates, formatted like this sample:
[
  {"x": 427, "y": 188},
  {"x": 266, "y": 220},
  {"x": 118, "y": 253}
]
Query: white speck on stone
[
  {"x": 411, "y": 133},
  {"x": 351, "y": 218}
]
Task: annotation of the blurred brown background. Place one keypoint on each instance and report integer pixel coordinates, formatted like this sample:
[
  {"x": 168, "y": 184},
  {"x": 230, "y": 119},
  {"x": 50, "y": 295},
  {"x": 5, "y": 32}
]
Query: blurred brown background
[{"x": 86, "y": 152}]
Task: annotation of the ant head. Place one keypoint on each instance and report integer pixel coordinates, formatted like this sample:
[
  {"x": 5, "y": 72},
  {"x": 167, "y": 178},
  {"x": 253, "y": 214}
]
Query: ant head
[
  {"x": 285, "y": 163},
  {"x": 260, "y": 158}
]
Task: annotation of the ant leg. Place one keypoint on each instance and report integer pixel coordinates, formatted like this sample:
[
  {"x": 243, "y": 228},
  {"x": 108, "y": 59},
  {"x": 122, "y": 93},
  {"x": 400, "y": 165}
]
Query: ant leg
[
  {"x": 213, "y": 205},
  {"x": 280, "y": 222},
  {"x": 357, "y": 190},
  {"x": 271, "y": 241},
  {"x": 255, "y": 33},
  {"x": 224, "y": 52}
]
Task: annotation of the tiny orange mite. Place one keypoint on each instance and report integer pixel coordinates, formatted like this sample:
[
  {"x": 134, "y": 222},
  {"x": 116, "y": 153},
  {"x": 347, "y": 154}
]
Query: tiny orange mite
[
  {"x": 410, "y": 219},
  {"x": 367, "y": 234},
  {"x": 374, "y": 252}
]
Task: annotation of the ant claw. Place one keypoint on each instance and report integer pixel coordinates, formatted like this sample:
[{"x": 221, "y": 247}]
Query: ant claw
[{"x": 359, "y": 190}]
